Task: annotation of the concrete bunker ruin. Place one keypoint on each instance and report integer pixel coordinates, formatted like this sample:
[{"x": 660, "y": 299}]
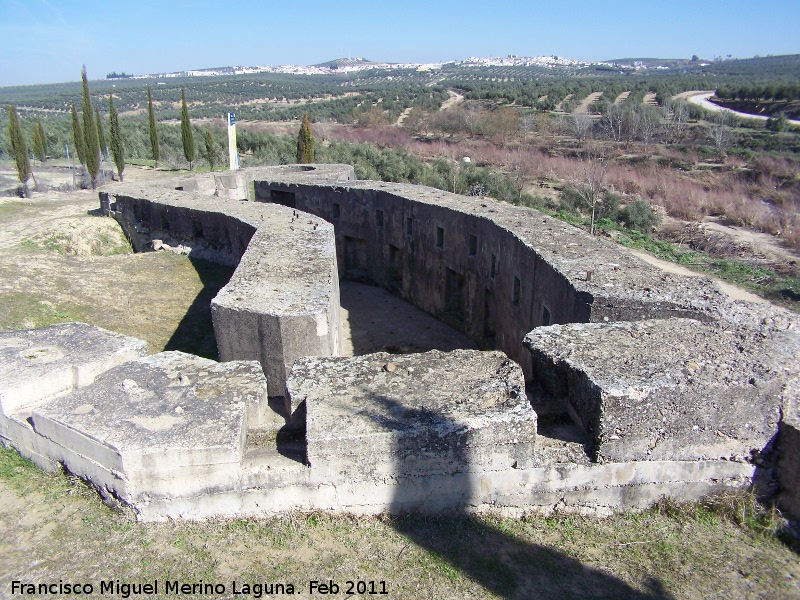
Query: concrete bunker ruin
[{"x": 604, "y": 383}]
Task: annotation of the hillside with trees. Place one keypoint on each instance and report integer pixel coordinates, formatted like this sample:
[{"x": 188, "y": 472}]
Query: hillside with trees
[{"x": 533, "y": 137}]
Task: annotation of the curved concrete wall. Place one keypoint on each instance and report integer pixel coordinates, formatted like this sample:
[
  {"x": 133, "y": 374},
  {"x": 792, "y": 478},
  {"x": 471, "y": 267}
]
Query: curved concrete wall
[
  {"x": 282, "y": 302},
  {"x": 666, "y": 406},
  {"x": 489, "y": 269}
]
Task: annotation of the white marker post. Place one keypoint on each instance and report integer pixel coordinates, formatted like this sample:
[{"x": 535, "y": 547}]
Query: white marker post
[{"x": 233, "y": 155}]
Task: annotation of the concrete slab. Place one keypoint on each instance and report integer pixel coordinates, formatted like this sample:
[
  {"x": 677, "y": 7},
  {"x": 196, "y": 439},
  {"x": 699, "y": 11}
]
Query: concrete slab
[
  {"x": 37, "y": 364},
  {"x": 673, "y": 389},
  {"x": 384, "y": 415},
  {"x": 170, "y": 424}
]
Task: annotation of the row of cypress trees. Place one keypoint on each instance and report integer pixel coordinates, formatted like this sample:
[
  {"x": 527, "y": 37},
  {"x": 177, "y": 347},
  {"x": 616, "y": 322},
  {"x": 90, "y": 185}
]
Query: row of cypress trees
[
  {"x": 89, "y": 136},
  {"x": 90, "y": 140}
]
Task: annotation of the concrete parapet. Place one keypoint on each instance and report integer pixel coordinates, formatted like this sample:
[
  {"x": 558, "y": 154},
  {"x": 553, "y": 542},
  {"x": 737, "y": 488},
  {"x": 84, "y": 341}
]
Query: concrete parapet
[
  {"x": 489, "y": 269},
  {"x": 282, "y": 302},
  {"x": 673, "y": 389}
]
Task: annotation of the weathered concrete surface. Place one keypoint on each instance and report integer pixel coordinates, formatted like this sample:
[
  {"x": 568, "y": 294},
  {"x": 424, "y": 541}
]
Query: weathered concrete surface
[
  {"x": 37, "y": 365},
  {"x": 282, "y": 302},
  {"x": 386, "y": 415},
  {"x": 788, "y": 450},
  {"x": 584, "y": 489},
  {"x": 166, "y": 425},
  {"x": 489, "y": 269},
  {"x": 660, "y": 415},
  {"x": 673, "y": 389},
  {"x": 170, "y": 434}
]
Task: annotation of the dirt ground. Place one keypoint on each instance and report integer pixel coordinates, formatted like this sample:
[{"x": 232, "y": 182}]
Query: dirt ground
[
  {"x": 59, "y": 261},
  {"x": 733, "y": 292},
  {"x": 583, "y": 107}
]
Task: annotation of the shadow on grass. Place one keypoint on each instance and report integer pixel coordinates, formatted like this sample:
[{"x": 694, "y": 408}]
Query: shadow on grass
[
  {"x": 510, "y": 567},
  {"x": 195, "y": 332},
  {"x": 432, "y": 466}
]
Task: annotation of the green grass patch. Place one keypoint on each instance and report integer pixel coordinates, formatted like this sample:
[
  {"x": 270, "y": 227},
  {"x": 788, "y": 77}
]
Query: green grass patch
[
  {"x": 23, "y": 310},
  {"x": 781, "y": 289},
  {"x": 18, "y": 471}
]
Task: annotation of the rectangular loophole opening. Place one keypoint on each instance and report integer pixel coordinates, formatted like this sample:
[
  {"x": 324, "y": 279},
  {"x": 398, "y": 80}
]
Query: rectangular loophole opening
[
  {"x": 379, "y": 218},
  {"x": 455, "y": 295},
  {"x": 409, "y": 226},
  {"x": 394, "y": 270},
  {"x": 516, "y": 291},
  {"x": 283, "y": 198},
  {"x": 440, "y": 238},
  {"x": 473, "y": 246},
  {"x": 164, "y": 221},
  {"x": 197, "y": 229},
  {"x": 355, "y": 258},
  {"x": 336, "y": 212},
  {"x": 489, "y": 320}
]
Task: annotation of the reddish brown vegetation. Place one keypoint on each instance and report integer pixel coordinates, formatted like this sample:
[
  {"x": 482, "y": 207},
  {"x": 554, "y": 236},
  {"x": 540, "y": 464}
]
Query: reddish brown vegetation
[{"x": 763, "y": 195}]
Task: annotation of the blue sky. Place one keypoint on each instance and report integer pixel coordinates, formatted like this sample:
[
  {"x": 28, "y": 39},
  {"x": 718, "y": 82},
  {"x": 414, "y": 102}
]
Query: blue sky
[{"x": 53, "y": 38}]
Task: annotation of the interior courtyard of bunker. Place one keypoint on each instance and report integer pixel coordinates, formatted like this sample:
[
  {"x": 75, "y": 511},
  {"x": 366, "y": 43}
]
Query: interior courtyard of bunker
[{"x": 581, "y": 378}]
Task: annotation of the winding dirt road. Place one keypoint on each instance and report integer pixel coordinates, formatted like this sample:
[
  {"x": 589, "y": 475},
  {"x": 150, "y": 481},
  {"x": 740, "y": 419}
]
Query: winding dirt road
[{"x": 702, "y": 99}]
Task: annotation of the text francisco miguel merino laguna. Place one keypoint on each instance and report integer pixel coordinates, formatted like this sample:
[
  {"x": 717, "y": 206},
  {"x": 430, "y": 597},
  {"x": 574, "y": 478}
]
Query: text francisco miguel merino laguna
[{"x": 115, "y": 587}]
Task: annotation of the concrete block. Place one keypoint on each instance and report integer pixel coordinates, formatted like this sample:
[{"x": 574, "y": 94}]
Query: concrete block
[
  {"x": 277, "y": 306},
  {"x": 674, "y": 389},
  {"x": 37, "y": 365},
  {"x": 384, "y": 415},
  {"x": 788, "y": 451},
  {"x": 170, "y": 424}
]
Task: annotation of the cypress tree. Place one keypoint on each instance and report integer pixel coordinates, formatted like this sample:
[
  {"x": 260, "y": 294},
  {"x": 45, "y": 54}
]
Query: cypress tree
[
  {"x": 117, "y": 149},
  {"x": 153, "y": 133},
  {"x": 305, "y": 142},
  {"x": 210, "y": 148},
  {"x": 39, "y": 142},
  {"x": 101, "y": 135},
  {"x": 18, "y": 149},
  {"x": 186, "y": 132},
  {"x": 90, "y": 132},
  {"x": 77, "y": 137}
]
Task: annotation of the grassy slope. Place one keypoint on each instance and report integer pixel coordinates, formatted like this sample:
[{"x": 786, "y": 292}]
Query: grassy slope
[{"x": 56, "y": 528}]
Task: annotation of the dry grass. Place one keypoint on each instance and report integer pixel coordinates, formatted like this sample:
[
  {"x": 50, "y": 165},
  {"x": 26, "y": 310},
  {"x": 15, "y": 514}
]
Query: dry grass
[
  {"x": 762, "y": 194},
  {"x": 726, "y": 547}
]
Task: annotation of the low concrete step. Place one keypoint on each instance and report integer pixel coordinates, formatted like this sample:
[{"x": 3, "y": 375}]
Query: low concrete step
[{"x": 559, "y": 441}]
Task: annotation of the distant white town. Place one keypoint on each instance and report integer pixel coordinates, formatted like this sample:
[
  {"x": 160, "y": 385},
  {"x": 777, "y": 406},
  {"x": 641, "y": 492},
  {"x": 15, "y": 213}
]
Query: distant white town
[{"x": 351, "y": 65}]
